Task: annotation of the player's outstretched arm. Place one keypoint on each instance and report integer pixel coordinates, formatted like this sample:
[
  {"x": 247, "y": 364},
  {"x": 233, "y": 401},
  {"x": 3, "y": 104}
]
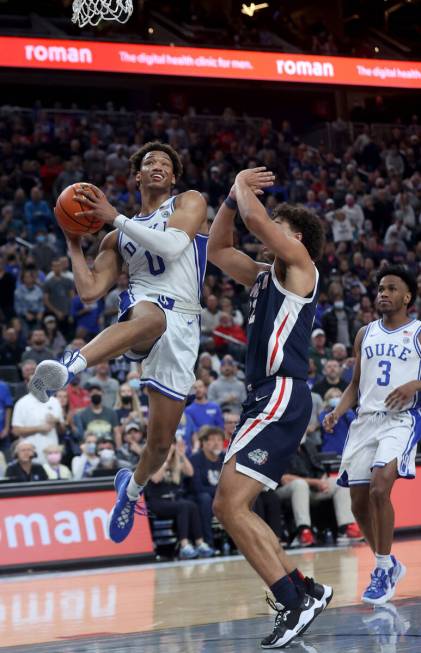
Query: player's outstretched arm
[
  {"x": 349, "y": 398},
  {"x": 189, "y": 217},
  {"x": 221, "y": 250},
  {"x": 290, "y": 250},
  {"x": 94, "y": 284}
]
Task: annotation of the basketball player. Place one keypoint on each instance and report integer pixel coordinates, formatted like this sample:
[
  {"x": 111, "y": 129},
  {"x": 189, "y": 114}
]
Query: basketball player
[
  {"x": 278, "y": 406},
  {"x": 381, "y": 443},
  {"x": 164, "y": 249}
]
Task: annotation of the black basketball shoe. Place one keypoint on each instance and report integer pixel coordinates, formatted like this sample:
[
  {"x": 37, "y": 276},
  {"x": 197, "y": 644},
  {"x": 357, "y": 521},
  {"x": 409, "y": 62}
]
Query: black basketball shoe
[
  {"x": 289, "y": 623},
  {"x": 318, "y": 591}
]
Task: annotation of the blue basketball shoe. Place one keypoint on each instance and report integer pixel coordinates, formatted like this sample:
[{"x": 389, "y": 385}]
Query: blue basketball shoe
[
  {"x": 380, "y": 589},
  {"x": 120, "y": 521},
  {"x": 396, "y": 573}
]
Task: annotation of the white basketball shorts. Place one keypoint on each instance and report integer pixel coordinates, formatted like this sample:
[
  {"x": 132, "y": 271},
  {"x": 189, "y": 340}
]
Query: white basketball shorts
[
  {"x": 374, "y": 440},
  {"x": 169, "y": 366}
]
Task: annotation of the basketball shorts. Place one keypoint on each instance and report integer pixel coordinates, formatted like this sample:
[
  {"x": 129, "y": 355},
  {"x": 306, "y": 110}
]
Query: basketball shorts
[
  {"x": 374, "y": 440},
  {"x": 274, "y": 419},
  {"x": 168, "y": 366}
]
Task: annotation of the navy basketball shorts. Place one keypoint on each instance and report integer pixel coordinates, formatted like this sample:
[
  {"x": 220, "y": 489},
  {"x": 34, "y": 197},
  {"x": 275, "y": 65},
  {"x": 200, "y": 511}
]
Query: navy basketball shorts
[{"x": 274, "y": 419}]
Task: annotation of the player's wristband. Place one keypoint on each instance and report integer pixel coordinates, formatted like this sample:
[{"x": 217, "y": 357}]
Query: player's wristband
[{"x": 230, "y": 203}]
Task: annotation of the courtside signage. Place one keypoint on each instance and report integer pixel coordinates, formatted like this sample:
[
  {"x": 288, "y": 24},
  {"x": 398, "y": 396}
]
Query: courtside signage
[
  {"x": 17, "y": 52},
  {"x": 64, "y": 527}
]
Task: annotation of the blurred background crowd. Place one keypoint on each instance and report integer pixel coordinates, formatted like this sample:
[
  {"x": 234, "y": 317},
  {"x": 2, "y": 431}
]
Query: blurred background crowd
[{"x": 366, "y": 188}]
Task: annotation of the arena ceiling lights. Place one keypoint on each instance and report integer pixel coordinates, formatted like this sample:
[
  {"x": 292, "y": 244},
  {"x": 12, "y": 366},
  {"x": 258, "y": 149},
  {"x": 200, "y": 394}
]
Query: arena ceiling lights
[{"x": 16, "y": 52}]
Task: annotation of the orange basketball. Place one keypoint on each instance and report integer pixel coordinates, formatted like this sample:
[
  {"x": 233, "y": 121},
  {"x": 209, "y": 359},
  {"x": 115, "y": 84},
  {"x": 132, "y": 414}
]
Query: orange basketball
[{"x": 66, "y": 208}]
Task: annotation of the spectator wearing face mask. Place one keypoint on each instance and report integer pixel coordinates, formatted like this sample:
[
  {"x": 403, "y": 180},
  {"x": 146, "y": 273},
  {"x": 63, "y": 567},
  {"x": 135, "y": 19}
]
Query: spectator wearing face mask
[
  {"x": 127, "y": 405},
  {"x": 53, "y": 467},
  {"x": 337, "y": 321},
  {"x": 23, "y": 469},
  {"x": 109, "y": 386},
  {"x": 83, "y": 465},
  {"x": 334, "y": 441},
  {"x": 98, "y": 418},
  {"x": 207, "y": 464},
  {"x": 108, "y": 463},
  {"x": 29, "y": 299}
]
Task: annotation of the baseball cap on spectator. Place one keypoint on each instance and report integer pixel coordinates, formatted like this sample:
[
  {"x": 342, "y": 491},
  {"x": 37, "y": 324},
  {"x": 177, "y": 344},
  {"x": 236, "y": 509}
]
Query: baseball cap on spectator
[
  {"x": 132, "y": 426},
  {"x": 330, "y": 201},
  {"x": 317, "y": 332},
  {"x": 104, "y": 439},
  {"x": 49, "y": 318}
]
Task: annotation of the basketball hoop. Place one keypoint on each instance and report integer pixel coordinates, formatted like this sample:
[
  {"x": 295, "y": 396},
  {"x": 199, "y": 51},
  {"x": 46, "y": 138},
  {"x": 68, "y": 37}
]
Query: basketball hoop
[{"x": 91, "y": 12}]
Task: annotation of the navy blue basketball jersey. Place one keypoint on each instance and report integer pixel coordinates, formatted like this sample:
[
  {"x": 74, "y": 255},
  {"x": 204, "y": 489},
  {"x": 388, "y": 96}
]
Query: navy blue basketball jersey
[{"x": 279, "y": 330}]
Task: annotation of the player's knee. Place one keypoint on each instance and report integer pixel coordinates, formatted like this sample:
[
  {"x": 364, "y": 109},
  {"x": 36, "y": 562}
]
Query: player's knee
[{"x": 379, "y": 492}]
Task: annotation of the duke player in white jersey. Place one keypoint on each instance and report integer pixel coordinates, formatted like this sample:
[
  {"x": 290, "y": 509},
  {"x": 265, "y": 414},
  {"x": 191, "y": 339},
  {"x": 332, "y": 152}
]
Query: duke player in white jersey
[
  {"x": 382, "y": 440},
  {"x": 164, "y": 249}
]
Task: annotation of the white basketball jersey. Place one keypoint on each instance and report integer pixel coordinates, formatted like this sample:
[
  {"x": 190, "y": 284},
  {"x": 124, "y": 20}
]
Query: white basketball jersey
[
  {"x": 388, "y": 359},
  {"x": 171, "y": 282}
]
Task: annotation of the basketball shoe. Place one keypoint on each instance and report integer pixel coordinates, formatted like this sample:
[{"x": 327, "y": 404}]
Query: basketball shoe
[
  {"x": 51, "y": 375},
  {"x": 380, "y": 589},
  {"x": 289, "y": 623},
  {"x": 396, "y": 573},
  {"x": 121, "y": 519}
]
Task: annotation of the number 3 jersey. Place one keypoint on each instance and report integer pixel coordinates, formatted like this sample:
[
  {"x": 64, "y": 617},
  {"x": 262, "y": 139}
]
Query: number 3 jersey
[
  {"x": 175, "y": 285},
  {"x": 388, "y": 359}
]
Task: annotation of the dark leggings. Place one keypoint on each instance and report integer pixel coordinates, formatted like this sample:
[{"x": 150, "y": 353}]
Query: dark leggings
[{"x": 185, "y": 513}]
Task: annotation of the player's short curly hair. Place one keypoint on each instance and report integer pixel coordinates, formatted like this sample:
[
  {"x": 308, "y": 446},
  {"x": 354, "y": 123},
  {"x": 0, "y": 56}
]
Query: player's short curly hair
[
  {"x": 403, "y": 273},
  {"x": 305, "y": 222},
  {"x": 155, "y": 146}
]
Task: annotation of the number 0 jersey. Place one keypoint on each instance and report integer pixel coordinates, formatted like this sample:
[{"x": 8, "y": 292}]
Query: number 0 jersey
[
  {"x": 171, "y": 283},
  {"x": 279, "y": 330},
  {"x": 388, "y": 359}
]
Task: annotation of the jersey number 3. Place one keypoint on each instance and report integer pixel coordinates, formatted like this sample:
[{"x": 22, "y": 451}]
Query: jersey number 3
[
  {"x": 156, "y": 264},
  {"x": 384, "y": 379}
]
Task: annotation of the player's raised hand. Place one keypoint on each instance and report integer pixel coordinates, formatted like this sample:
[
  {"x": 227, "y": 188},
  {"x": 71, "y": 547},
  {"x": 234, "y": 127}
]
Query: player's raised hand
[
  {"x": 255, "y": 178},
  {"x": 330, "y": 420},
  {"x": 401, "y": 395},
  {"x": 97, "y": 205}
]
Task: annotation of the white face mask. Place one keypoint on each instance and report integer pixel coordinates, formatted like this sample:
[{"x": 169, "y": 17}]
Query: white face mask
[
  {"x": 216, "y": 452},
  {"x": 334, "y": 401},
  {"x": 339, "y": 304}
]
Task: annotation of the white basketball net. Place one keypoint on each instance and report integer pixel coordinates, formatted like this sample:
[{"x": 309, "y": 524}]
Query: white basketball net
[{"x": 91, "y": 12}]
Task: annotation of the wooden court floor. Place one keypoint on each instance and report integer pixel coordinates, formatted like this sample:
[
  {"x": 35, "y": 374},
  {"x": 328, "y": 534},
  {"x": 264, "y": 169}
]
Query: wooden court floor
[{"x": 106, "y": 609}]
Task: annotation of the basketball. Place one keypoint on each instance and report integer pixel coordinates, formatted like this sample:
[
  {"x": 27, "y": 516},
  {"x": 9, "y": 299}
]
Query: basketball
[{"x": 67, "y": 207}]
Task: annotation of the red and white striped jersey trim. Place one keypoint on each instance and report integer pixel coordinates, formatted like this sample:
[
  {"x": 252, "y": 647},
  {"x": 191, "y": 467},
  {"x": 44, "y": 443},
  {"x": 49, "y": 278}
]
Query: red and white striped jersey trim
[
  {"x": 273, "y": 412},
  {"x": 284, "y": 323}
]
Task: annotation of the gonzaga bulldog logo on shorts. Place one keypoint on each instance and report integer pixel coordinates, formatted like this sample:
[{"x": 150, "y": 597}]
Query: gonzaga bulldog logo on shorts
[{"x": 258, "y": 456}]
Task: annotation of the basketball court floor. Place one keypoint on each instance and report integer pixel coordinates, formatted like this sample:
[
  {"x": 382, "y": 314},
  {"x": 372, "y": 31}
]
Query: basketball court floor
[{"x": 214, "y": 606}]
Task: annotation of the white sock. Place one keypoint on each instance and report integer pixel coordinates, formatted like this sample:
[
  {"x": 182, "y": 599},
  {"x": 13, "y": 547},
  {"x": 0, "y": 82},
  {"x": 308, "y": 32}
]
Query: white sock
[
  {"x": 384, "y": 561},
  {"x": 133, "y": 489},
  {"x": 78, "y": 365}
]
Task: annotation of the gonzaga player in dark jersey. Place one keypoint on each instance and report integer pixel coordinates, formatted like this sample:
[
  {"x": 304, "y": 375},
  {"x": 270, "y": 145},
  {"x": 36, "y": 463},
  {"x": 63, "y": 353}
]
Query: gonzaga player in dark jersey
[{"x": 278, "y": 406}]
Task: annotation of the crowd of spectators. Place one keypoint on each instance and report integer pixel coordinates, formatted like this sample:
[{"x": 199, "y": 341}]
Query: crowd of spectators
[{"x": 366, "y": 191}]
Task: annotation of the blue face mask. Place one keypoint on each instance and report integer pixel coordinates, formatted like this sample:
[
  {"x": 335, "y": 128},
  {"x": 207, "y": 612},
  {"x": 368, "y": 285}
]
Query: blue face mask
[
  {"x": 134, "y": 383},
  {"x": 41, "y": 239},
  {"x": 334, "y": 401}
]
